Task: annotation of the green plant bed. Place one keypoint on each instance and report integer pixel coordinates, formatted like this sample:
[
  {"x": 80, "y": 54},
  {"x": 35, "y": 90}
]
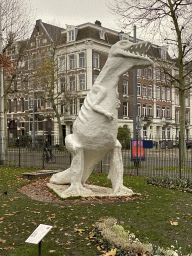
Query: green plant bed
[
  {"x": 113, "y": 238},
  {"x": 171, "y": 182}
]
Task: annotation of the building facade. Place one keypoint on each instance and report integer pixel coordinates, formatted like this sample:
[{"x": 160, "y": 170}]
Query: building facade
[{"x": 80, "y": 53}]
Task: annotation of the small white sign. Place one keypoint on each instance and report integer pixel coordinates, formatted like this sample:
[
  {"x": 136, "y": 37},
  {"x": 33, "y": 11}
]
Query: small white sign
[{"x": 38, "y": 234}]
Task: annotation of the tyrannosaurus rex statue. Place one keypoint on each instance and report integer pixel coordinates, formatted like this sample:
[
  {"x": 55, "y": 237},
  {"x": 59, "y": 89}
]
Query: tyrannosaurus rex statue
[{"x": 95, "y": 129}]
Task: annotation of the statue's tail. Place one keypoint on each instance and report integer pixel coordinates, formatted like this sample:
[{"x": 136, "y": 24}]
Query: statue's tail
[{"x": 61, "y": 177}]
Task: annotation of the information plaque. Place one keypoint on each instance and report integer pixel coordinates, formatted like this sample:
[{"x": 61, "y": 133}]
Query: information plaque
[{"x": 39, "y": 233}]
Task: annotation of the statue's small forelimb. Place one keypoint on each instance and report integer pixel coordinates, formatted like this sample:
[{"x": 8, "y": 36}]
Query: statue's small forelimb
[{"x": 100, "y": 95}]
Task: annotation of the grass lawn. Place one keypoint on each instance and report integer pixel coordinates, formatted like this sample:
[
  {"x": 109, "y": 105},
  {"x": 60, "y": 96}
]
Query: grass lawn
[{"x": 159, "y": 215}]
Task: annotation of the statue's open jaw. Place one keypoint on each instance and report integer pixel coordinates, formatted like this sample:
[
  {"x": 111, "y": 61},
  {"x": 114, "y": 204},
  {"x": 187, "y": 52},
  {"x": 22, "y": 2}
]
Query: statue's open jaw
[{"x": 134, "y": 51}]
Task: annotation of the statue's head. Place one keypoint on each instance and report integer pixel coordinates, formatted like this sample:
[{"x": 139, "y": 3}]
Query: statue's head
[{"x": 134, "y": 51}]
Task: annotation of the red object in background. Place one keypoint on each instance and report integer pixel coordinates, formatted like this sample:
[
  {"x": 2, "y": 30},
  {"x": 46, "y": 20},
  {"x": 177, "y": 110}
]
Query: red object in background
[{"x": 137, "y": 152}]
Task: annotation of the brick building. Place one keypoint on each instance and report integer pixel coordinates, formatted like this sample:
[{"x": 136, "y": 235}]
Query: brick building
[{"x": 81, "y": 52}]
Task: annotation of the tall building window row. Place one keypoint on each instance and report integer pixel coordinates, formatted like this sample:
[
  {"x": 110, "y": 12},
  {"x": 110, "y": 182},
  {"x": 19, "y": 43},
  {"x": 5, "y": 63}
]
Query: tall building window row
[
  {"x": 164, "y": 112},
  {"x": 145, "y": 73}
]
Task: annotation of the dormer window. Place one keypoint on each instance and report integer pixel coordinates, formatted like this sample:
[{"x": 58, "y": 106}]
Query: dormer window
[
  {"x": 123, "y": 36},
  {"x": 71, "y": 33},
  {"x": 102, "y": 34}
]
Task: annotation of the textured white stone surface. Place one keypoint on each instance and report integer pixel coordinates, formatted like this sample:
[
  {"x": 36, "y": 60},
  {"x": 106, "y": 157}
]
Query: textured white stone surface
[
  {"x": 95, "y": 129},
  {"x": 95, "y": 191}
]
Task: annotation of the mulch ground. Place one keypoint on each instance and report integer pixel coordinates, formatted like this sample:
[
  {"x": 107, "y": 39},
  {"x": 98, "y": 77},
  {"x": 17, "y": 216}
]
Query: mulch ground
[{"x": 39, "y": 191}]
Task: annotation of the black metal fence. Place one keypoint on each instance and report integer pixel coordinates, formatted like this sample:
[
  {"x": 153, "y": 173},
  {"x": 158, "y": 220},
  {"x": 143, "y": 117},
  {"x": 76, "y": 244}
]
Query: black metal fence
[{"x": 164, "y": 158}]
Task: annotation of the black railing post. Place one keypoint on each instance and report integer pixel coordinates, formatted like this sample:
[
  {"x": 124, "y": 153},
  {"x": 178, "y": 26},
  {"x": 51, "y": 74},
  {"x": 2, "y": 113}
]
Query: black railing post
[
  {"x": 180, "y": 156},
  {"x": 43, "y": 152},
  {"x": 19, "y": 152}
]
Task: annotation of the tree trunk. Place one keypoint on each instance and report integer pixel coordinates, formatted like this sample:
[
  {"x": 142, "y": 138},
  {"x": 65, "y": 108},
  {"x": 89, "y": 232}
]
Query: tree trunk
[
  {"x": 61, "y": 143},
  {"x": 182, "y": 129}
]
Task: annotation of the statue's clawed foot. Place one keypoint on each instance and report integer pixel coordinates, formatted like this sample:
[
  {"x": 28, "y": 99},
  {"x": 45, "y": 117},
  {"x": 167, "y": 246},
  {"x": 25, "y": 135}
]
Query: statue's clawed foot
[
  {"x": 76, "y": 189},
  {"x": 122, "y": 190}
]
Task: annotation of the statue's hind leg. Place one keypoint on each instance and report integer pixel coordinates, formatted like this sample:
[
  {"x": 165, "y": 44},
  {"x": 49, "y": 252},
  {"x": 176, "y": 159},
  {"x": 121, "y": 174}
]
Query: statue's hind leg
[
  {"x": 74, "y": 174},
  {"x": 116, "y": 172}
]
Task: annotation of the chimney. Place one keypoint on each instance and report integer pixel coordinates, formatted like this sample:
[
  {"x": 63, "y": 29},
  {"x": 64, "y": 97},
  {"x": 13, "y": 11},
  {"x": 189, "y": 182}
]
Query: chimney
[
  {"x": 98, "y": 23},
  {"x": 37, "y": 24}
]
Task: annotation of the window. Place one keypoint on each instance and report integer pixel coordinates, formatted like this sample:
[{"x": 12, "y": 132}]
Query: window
[
  {"x": 30, "y": 124},
  {"x": 158, "y": 92},
  {"x": 163, "y": 133},
  {"x": 138, "y": 89},
  {"x": 162, "y": 76},
  {"x": 40, "y": 124},
  {"x": 149, "y": 73},
  {"x": 81, "y": 101},
  {"x": 102, "y": 34},
  {"x": 39, "y": 104},
  {"x": 163, "y": 112},
  {"x": 72, "y": 61},
  {"x": 125, "y": 108},
  {"x": 82, "y": 82},
  {"x": 38, "y": 41},
  {"x": 144, "y": 131},
  {"x": 48, "y": 104},
  {"x": 144, "y": 91},
  {"x": 168, "y": 112},
  {"x": 157, "y": 74},
  {"x": 187, "y": 117},
  {"x": 187, "y": 101},
  {"x": 30, "y": 84},
  {"x": 9, "y": 106},
  {"x": 145, "y": 72},
  {"x": 73, "y": 107},
  {"x": 30, "y": 62},
  {"x": 82, "y": 60},
  {"x": 15, "y": 105},
  {"x": 150, "y": 110},
  {"x": 71, "y": 35},
  {"x": 30, "y": 102},
  {"x": 168, "y": 94},
  {"x": 177, "y": 115},
  {"x": 62, "y": 84},
  {"x": 158, "y": 109},
  {"x": 176, "y": 98},
  {"x": 95, "y": 60},
  {"x": 150, "y": 91},
  {"x": 125, "y": 87},
  {"x": 168, "y": 133},
  {"x": 22, "y": 105},
  {"x": 144, "y": 110},
  {"x": 139, "y": 109},
  {"x": 139, "y": 72},
  {"x": 163, "y": 93},
  {"x": 62, "y": 63},
  {"x": 72, "y": 83}
]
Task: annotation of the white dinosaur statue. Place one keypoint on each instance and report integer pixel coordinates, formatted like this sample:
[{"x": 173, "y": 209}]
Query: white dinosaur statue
[{"x": 95, "y": 129}]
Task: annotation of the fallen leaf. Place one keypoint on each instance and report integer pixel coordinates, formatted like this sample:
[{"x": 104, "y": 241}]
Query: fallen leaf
[
  {"x": 174, "y": 223},
  {"x": 66, "y": 234},
  {"x": 2, "y": 241},
  {"x": 111, "y": 253}
]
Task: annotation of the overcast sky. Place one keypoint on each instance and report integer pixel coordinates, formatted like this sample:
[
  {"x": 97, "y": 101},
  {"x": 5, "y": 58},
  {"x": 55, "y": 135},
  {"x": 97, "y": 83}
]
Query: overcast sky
[{"x": 74, "y": 12}]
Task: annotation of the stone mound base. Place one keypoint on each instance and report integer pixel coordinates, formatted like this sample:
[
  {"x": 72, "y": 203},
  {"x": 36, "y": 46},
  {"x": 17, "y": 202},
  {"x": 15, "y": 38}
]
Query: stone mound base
[{"x": 97, "y": 191}]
